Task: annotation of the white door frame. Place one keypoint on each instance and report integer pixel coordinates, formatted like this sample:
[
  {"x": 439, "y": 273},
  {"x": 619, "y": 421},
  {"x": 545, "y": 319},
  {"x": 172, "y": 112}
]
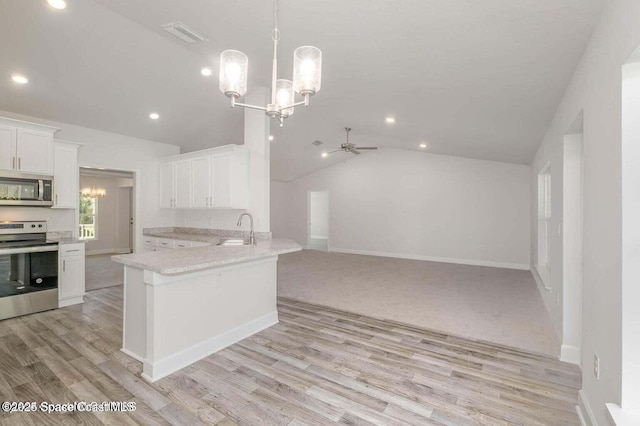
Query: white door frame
[
  {"x": 309, "y": 192},
  {"x": 572, "y": 244}
]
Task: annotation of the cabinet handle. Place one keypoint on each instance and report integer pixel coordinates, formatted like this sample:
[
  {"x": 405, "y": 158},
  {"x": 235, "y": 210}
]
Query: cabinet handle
[
  {"x": 19, "y": 163},
  {"x": 71, "y": 251},
  {"x": 13, "y": 165},
  {"x": 56, "y": 199},
  {"x": 64, "y": 265}
]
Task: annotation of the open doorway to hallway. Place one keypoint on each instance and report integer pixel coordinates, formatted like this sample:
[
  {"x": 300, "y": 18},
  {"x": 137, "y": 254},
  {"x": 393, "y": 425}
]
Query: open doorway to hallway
[
  {"x": 106, "y": 217},
  {"x": 572, "y": 241},
  {"x": 318, "y": 220}
]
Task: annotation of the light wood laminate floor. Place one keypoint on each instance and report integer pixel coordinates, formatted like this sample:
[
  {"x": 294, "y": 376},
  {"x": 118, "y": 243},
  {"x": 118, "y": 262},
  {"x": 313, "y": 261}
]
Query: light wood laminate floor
[{"x": 317, "y": 366}]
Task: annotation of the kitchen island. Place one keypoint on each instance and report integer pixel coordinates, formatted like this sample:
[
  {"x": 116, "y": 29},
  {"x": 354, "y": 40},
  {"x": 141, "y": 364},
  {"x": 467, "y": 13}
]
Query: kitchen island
[{"x": 184, "y": 304}]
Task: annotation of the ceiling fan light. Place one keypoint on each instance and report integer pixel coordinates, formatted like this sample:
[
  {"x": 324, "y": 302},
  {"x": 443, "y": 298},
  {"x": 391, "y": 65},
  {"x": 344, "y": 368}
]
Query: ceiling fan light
[
  {"x": 285, "y": 96},
  {"x": 234, "y": 66},
  {"x": 307, "y": 70}
]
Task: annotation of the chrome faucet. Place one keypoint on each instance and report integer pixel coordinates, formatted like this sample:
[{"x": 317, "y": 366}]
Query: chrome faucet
[{"x": 252, "y": 236}]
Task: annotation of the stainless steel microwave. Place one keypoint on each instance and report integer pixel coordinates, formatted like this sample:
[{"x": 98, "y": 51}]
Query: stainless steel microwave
[{"x": 17, "y": 189}]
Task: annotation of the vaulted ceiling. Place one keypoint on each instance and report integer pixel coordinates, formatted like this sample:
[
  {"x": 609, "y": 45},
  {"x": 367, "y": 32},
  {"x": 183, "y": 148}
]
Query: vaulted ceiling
[{"x": 469, "y": 78}]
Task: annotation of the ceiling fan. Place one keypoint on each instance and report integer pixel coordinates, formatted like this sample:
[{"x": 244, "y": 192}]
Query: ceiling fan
[{"x": 349, "y": 147}]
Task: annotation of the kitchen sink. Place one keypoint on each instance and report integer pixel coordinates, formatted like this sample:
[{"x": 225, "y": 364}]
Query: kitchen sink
[{"x": 234, "y": 242}]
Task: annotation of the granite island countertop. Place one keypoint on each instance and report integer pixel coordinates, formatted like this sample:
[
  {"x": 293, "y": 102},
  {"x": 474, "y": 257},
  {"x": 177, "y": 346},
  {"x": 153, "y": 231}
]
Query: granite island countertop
[
  {"x": 186, "y": 260},
  {"x": 188, "y": 236}
]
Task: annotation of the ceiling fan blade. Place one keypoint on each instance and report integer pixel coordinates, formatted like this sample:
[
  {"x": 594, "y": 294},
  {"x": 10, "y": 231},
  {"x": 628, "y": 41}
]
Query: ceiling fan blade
[
  {"x": 366, "y": 147},
  {"x": 353, "y": 151},
  {"x": 336, "y": 150}
]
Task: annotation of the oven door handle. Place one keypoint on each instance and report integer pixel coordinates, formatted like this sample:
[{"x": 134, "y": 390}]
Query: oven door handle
[{"x": 21, "y": 250}]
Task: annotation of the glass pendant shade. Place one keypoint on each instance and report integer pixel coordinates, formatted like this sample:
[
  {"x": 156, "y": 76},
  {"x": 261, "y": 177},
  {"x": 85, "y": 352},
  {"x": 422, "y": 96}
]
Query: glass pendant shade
[
  {"x": 307, "y": 70},
  {"x": 285, "y": 95},
  {"x": 233, "y": 73}
]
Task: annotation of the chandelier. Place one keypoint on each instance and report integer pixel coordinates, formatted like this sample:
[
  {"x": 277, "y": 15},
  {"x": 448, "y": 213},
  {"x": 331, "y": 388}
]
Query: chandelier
[
  {"x": 307, "y": 70},
  {"x": 92, "y": 192}
]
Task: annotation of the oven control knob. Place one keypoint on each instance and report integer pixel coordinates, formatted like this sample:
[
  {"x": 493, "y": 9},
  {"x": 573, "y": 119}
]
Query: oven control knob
[
  {"x": 40, "y": 226},
  {"x": 33, "y": 225},
  {"x": 39, "y": 280}
]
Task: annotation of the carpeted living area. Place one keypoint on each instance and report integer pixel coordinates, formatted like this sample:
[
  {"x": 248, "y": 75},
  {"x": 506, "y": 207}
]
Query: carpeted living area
[{"x": 492, "y": 304}]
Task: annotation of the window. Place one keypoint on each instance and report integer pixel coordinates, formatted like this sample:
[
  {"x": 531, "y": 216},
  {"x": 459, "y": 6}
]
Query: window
[
  {"x": 88, "y": 217},
  {"x": 544, "y": 217}
]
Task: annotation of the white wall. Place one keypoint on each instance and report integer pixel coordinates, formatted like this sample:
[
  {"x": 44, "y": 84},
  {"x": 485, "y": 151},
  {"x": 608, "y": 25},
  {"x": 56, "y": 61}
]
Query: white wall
[
  {"x": 256, "y": 139},
  {"x": 319, "y": 214},
  {"x": 595, "y": 88},
  {"x": 110, "y": 151},
  {"x": 416, "y": 205}
]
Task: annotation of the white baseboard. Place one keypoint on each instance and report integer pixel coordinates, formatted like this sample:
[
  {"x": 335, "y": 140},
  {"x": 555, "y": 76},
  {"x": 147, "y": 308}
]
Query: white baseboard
[
  {"x": 70, "y": 301},
  {"x": 131, "y": 354},
  {"x": 474, "y": 262},
  {"x": 585, "y": 413},
  {"x": 571, "y": 354},
  {"x": 108, "y": 251},
  {"x": 179, "y": 360}
]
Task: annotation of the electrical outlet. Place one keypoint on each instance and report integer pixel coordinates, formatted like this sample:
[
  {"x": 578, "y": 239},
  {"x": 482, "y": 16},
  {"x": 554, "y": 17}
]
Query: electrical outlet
[{"x": 596, "y": 366}]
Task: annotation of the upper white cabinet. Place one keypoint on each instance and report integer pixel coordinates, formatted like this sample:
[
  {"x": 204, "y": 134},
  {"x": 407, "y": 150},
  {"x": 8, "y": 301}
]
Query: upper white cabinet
[
  {"x": 65, "y": 175},
  {"x": 26, "y": 147},
  {"x": 214, "y": 178}
]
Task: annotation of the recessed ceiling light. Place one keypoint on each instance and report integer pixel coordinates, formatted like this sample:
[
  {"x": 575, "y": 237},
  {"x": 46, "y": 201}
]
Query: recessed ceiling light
[
  {"x": 390, "y": 120},
  {"x": 19, "y": 78},
  {"x": 57, "y": 4},
  {"x": 206, "y": 72},
  {"x": 325, "y": 154},
  {"x": 271, "y": 138},
  {"x": 154, "y": 116},
  {"x": 423, "y": 145}
]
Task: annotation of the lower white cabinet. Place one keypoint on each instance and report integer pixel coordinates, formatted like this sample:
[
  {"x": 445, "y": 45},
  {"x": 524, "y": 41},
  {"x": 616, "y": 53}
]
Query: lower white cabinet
[
  {"x": 159, "y": 244},
  {"x": 70, "y": 274}
]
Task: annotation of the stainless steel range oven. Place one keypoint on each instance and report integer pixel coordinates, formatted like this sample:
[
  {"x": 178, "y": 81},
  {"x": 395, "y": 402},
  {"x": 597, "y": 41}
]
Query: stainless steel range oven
[{"x": 28, "y": 269}]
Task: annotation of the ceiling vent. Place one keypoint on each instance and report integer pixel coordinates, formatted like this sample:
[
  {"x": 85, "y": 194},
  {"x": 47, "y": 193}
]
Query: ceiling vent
[
  {"x": 184, "y": 33},
  {"x": 317, "y": 143}
]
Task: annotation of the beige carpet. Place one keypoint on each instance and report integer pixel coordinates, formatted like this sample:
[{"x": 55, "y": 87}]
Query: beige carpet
[
  {"x": 492, "y": 304},
  {"x": 101, "y": 272}
]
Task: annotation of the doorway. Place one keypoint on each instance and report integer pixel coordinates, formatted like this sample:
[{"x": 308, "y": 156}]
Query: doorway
[
  {"x": 106, "y": 217},
  {"x": 572, "y": 241},
  {"x": 318, "y": 220}
]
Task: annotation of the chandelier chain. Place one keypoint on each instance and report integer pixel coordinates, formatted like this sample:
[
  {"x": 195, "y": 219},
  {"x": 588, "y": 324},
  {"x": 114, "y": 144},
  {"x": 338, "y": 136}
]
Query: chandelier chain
[{"x": 275, "y": 36}]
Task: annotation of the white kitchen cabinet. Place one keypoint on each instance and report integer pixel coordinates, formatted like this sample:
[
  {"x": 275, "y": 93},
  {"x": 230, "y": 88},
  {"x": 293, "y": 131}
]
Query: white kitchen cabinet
[
  {"x": 26, "y": 147},
  {"x": 214, "y": 178},
  {"x": 65, "y": 175},
  {"x": 7, "y": 147},
  {"x": 167, "y": 188},
  {"x": 182, "y": 184},
  {"x": 71, "y": 276},
  {"x": 35, "y": 152},
  {"x": 231, "y": 180},
  {"x": 201, "y": 178}
]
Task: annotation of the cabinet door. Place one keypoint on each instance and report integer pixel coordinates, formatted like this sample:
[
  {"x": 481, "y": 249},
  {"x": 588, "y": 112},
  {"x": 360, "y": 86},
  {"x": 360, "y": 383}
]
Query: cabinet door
[
  {"x": 201, "y": 178},
  {"x": 239, "y": 176},
  {"x": 167, "y": 185},
  {"x": 7, "y": 148},
  {"x": 221, "y": 180},
  {"x": 71, "y": 277},
  {"x": 35, "y": 152},
  {"x": 65, "y": 176},
  {"x": 183, "y": 184}
]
